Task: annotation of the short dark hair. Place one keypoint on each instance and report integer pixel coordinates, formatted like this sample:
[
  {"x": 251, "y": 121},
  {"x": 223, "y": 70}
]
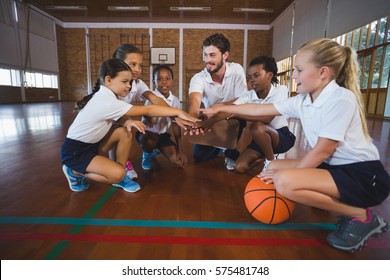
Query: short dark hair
[
  {"x": 157, "y": 69},
  {"x": 269, "y": 65},
  {"x": 219, "y": 41}
]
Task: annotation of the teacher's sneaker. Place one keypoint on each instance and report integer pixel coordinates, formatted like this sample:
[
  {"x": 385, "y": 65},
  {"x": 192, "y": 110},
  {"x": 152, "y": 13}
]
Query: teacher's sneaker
[{"x": 352, "y": 234}]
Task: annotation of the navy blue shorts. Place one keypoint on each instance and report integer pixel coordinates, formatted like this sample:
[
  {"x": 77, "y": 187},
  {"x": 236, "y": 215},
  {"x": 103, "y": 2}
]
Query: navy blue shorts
[
  {"x": 361, "y": 184},
  {"x": 78, "y": 155},
  {"x": 286, "y": 141},
  {"x": 164, "y": 139}
]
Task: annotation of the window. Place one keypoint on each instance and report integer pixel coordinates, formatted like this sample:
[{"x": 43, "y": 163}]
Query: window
[
  {"x": 364, "y": 38},
  {"x": 377, "y": 68},
  {"x": 386, "y": 67},
  {"x": 11, "y": 77},
  {"x": 371, "y": 42}
]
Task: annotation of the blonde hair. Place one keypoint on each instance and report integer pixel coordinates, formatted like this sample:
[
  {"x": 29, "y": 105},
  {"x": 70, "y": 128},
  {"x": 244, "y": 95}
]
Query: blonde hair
[{"x": 343, "y": 61}]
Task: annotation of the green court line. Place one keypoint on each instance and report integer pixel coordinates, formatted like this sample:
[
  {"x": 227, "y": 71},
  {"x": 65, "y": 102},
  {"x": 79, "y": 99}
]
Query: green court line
[
  {"x": 60, "y": 246},
  {"x": 81, "y": 222}
]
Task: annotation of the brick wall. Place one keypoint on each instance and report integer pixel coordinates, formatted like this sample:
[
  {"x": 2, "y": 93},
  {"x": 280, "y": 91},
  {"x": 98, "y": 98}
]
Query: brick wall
[
  {"x": 169, "y": 38},
  {"x": 103, "y": 42}
]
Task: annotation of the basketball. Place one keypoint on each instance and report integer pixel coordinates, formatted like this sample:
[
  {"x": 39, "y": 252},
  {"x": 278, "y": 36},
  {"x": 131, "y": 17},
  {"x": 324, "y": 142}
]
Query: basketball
[{"x": 265, "y": 204}]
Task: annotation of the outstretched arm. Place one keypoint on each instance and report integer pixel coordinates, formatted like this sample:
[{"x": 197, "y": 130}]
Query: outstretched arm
[
  {"x": 159, "y": 111},
  {"x": 244, "y": 109},
  {"x": 154, "y": 99}
]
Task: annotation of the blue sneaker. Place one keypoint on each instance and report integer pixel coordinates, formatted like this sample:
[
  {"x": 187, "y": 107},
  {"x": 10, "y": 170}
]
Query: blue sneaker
[
  {"x": 128, "y": 185},
  {"x": 147, "y": 159},
  {"x": 77, "y": 183}
]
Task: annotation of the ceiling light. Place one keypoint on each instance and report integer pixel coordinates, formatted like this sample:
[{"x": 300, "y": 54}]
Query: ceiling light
[
  {"x": 190, "y": 9},
  {"x": 67, "y": 8},
  {"x": 128, "y": 8},
  {"x": 253, "y": 10}
]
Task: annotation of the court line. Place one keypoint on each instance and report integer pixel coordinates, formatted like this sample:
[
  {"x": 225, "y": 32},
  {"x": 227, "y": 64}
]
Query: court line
[
  {"x": 107, "y": 238},
  {"x": 60, "y": 246},
  {"x": 81, "y": 222}
]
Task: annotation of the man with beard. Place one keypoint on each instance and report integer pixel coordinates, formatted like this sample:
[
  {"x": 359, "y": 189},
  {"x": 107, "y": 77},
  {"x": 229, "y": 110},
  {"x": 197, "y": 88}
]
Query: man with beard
[{"x": 219, "y": 82}]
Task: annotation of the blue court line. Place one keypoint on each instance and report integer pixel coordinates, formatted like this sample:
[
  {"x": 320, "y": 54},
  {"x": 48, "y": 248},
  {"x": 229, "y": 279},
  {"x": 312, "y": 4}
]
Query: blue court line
[{"x": 164, "y": 223}]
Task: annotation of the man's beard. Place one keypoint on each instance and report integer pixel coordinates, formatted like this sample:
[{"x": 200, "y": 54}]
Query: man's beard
[{"x": 219, "y": 66}]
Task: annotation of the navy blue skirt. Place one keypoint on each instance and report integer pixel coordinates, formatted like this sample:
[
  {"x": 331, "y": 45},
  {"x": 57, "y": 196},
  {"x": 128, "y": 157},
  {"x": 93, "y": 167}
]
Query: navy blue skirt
[{"x": 361, "y": 184}]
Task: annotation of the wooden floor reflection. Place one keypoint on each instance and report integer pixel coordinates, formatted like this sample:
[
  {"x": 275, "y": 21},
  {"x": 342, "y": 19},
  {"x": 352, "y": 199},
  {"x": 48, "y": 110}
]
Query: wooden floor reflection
[{"x": 195, "y": 213}]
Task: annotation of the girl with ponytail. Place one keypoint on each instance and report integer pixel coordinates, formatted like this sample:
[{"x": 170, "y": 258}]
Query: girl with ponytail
[
  {"x": 342, "y": 172},
  {"x": 102, "y": 122}
]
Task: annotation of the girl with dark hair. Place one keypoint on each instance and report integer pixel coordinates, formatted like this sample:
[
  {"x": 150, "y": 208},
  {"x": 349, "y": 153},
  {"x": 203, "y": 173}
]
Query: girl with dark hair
[
  {"x": 139, "y": 90},
  {"x": 270, "y": 135},
  {"x": 92, "y": 134},
  {"x": 157, "y": 137}
]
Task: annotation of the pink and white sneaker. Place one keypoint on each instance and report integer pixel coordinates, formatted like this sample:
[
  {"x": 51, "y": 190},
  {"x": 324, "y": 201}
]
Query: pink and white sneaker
[{"x": 130, "y": 171}]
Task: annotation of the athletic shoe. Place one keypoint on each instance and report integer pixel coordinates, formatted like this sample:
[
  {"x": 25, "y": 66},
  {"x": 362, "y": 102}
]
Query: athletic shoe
[
  {"x": 147, "y": 159},
  {"x": 266, "y": 163},
  {"x": 128, "y": 185},
  {"x": 353, "y": 234},
  {"x": 130, "y": 171},
  {"x": 230, "y": 164},
  {"x": 77, "y": 183}
]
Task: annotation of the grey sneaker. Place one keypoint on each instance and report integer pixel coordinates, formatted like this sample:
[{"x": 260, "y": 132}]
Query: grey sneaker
[
  {"x": 230, "y": 164},
  {"x": 352, "y": 235}
]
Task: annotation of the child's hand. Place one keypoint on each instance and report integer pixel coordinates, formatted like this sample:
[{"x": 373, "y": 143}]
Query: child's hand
[
  {"x": 183, "y": 124},
  {"x": 140, "y": 126},
  {"x": 187, "y": 117},
  {"x": 181, "y": 160},
  {"x": 267, "y": 176},
  {"x": 200, "y": 127},
  {"x": 209, "y": 112}
]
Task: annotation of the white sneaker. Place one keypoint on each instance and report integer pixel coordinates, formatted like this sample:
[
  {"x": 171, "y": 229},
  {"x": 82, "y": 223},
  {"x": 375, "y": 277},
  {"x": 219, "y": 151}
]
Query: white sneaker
[
  {"x": 266, "y": 163},
  {"x": 230, "y": 164},
  {"x": 130, "y": 171}
]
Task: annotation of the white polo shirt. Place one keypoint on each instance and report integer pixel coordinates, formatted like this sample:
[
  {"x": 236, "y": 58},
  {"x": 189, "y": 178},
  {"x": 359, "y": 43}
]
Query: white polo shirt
[
  {"x": 161, "y": 124},
  {"x": 333, "y": 115},
  {"x": 96, "y": 118},
  {"x": 275, "y": 94},
  {"x": 233, "y": 85},
  {"x": 138, "y": 87}
]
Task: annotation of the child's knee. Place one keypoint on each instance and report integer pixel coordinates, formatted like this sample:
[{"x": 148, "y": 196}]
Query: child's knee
[
  {"x": 117, "y": 175},
  {"x": 125, "y": 135},
  {"x": 257, "y": 127},
  {"x": 240, "y": 167},
  {"x": 282, "y": 183}
]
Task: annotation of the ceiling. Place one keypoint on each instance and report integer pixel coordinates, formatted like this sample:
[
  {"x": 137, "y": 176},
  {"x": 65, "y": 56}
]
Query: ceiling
[{"x": 159, "y": 11}]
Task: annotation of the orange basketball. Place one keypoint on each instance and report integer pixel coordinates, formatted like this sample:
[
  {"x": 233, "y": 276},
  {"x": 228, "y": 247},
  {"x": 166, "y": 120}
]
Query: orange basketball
[{"x": 265, "y": 204}]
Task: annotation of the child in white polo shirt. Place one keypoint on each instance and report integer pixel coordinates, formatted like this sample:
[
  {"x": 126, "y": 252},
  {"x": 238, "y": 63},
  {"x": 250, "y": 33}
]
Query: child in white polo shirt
[
  {"x": 92, "y": 134},
  {"x": 157, "y": 137},
  {"x": 342, "y": 171},
  {"x": 270, "y": 134}
]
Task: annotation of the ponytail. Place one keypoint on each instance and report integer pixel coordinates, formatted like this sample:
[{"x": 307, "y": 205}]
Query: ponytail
[
  {"x": 110, "y": 68},
  {"x": 348, "y": 78},
  {"x": 81, "y": 103},
  {"x": 343, "y": 61}
]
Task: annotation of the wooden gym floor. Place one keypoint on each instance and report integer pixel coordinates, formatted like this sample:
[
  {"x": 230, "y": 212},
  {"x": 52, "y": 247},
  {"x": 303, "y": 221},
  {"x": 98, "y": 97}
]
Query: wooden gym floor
[{"x": 195, "y": 213}]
